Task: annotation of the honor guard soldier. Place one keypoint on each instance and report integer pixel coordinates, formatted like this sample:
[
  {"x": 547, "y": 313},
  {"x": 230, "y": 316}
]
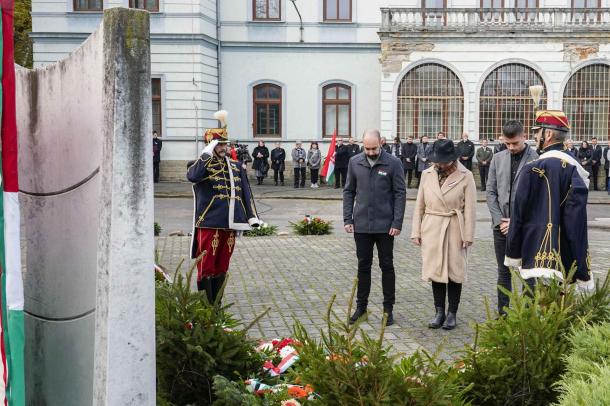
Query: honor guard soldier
[
  {"x": 548, "y": 224},
  {"x": 224, "y": 206}
]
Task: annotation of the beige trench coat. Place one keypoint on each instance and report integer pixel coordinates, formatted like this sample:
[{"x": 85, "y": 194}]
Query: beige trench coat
[{"x": 443, "y": 219}]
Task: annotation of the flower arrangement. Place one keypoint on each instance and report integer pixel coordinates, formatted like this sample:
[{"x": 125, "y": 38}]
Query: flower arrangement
[
  {"x": 312, "y": 226},
  {"x": 263, "y": 231}
]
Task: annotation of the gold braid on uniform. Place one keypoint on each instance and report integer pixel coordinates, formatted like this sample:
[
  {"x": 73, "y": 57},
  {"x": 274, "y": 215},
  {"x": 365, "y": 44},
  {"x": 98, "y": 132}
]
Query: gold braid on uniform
[
  {"x": 215, "y": 243},
  {"x": 546, "y": 257},
  {"x": 231, "y": 241}
]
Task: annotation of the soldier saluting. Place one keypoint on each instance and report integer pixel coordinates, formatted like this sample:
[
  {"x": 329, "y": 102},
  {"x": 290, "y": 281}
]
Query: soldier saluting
[
  {"x": 548, "y": 225},
  {"x": 223, "y": 206}
]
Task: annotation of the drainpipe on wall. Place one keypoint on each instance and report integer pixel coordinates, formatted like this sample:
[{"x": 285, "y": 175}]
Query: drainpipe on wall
[{"x": 218, "y": 58}]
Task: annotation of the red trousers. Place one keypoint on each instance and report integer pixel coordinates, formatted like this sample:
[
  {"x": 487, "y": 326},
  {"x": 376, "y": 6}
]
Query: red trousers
[{"x": 218, "y": 245}]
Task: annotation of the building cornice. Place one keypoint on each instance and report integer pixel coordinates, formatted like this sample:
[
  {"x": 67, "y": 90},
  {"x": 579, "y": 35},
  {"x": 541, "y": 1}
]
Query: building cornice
[
  {"x": 369, "y": 46},
  {"x": 155, "y": 37},
  {"x": 499, "y": 36},
  {"x": 153, "y": 15}
]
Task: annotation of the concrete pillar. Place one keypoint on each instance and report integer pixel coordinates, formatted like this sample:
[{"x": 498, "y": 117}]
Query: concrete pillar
[
  {"x": 84, "y": 128},
  {"x": 125, "y": 319}
]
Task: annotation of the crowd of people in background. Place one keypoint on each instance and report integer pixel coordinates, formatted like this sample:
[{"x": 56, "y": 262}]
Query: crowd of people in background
[{"x": 414, "y": 156}]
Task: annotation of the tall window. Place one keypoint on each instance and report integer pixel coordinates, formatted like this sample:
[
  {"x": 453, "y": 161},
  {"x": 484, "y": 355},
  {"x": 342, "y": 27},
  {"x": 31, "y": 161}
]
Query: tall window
[
  {"x": 88, "y": 5},
  {"x": 430, "y": 99},
  {"x": 517, "y": 7},
  {"x": 586, "y": 102},
  {"x": 505, "y": 96},
  {"x": 434, "y": 12},
  {"x": 149, "y": 5},
  {"x": 156, "y": 106},
  {"x": 580, "y": 6},
  {"x": 337, "y": 110},
  {"x": 267, "y": 110},
  {"x": 267, "y": 9},
  {"x": 337, "y": 10}
]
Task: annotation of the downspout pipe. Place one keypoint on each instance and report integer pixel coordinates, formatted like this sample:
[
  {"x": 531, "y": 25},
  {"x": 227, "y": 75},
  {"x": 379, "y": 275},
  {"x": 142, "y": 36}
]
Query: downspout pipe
[
  {"x": 301, "y": 28},
  {"x": 218, "y": 56}
]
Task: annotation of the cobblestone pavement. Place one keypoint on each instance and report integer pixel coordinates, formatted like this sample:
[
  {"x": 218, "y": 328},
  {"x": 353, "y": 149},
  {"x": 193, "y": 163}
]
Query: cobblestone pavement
[{"x": 297, "y": 276}]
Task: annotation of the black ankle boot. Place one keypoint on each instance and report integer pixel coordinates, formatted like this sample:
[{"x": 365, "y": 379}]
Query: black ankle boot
[
  {"x": 451, "y": 321},
  {"x": 438, "y": 319},
  {"x": 360, "y": 313},
  {"x": 390, "y": 319}
]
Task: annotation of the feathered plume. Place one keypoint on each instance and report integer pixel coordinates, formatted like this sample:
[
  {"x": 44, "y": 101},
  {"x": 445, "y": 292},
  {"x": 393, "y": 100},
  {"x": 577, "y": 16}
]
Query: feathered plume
[
  {"x": 222, "y": 117},
  {"x": 536, "y": 93}
]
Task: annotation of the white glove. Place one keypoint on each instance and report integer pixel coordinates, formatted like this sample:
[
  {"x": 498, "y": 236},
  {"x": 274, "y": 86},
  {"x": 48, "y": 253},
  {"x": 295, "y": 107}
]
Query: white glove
[{"x": 209, "y": 149}]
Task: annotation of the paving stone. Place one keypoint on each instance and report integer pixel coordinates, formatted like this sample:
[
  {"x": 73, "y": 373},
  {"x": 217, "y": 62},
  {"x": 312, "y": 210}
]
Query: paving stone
[{"x": 298, "y": 276}]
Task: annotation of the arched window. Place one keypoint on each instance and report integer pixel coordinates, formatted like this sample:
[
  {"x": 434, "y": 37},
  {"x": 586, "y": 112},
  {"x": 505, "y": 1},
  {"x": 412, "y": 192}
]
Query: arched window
[
  {"x": 430, "y": 99},
  {"x": 337, "y": 110},
  {"x": 505, "y": 96},
  {"x": 267, "y": 110},
  {"x": 586, "y": 102}
]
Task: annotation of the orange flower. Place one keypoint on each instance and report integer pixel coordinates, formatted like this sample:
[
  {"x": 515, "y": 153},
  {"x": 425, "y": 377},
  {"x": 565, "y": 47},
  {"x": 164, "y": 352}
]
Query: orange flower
[{"x": 297, "y": 392}]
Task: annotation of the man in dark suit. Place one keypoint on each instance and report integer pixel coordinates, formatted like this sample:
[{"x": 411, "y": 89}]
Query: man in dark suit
[
  {"x": 385, "y": 146},
  {"x": 596, "y": 160},
  {"x": 484, "y": 156},
  {"x": 157, "y": 146},
  {"x": 607, "y": 167},
  {"x": 409, "y": 155},
  {"x": 341, "y": 161},
  {"x": 352, "y": 147},
  {"x": 466, "y": 151}
]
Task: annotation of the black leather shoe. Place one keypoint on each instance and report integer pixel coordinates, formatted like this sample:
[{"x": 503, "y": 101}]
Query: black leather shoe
[
  {"x": 451, "y": 321},
  {"x": 358, "y": 314},
  {"x": 438, "y": 319},
  {"x": 390, "y": 319}
]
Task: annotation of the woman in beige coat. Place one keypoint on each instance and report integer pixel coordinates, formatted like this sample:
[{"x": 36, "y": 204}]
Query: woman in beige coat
[{"x": 443, "y": 225}]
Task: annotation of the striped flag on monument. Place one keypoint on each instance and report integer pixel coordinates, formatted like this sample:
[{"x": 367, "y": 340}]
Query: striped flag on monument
[
  {"x": 12, "y": 386},
  {"x": 328, "y": 170}
]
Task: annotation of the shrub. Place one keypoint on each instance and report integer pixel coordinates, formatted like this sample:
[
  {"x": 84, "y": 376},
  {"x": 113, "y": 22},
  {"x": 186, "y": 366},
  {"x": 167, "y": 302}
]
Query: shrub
[
  {"x": 516, "y": 359},
  {"x": 262, "y": 231},
  {"x": 587, "y": 379},
  {"x": 309, "y": 226},
  {"x": 158, "y": 229},
  {"x": 196, "y": 341}
]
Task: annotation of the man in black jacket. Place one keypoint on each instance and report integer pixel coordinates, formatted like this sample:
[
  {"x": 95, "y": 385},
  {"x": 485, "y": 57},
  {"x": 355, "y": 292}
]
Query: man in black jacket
[
  {"x": 596, "y": 160},
  {"x": 466, "y": 151},
  {"x": 278, "y": 163},
  {"x": 607, "y": 168},
  {"x": 341, "y": 161},
  {"x": 352, "y": 148},
  {"x": 409, "y": 155},
  {"x": 157, "y": 146},
  {"x": 376, "y": 180}
]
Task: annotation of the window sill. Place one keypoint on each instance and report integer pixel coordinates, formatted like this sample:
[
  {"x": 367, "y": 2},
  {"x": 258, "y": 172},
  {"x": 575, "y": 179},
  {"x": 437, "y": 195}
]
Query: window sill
[
  {"x": 85, "y": 12},
  {"x": 265, "y": 22},
  {"x": 337, "y": 22}
]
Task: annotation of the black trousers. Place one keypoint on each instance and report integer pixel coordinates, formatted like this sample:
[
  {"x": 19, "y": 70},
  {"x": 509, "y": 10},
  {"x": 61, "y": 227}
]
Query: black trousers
[
  {"x": 299, "y": 177},
  {"x": 314, "y": 175},
  {"x": 277, "y": 173},
  {"x": 409, "y": 176},
  {"x": 156, "y": 171},
  {"x": 483, "y": 171},
  {"x": 607, "y": 180},
  {"x": 340, "y": 177},
  {"x": 451, "y": 290},
  {"x": 595, "y": 174},
  {"x": 385, "y": 253},
  {"x": 504, "y": 276}
]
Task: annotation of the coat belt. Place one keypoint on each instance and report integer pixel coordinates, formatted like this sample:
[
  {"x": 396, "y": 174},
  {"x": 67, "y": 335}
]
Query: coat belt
[{"x": 450, "y": 213}]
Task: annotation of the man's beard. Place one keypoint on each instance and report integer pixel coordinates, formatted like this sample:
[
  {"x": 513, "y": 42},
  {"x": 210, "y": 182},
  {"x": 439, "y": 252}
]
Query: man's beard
[
  {"x": 373, "y": 157},
  {"x": 540, "y": 143}
]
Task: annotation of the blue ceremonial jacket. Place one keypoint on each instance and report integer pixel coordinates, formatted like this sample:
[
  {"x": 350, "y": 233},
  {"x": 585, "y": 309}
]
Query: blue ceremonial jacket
[
  {"x": 548, "y": 223},
  {"x": 223, "y": 198}
]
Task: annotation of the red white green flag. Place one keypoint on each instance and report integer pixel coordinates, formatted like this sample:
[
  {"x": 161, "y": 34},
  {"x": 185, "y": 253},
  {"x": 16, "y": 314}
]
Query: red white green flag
[
  {"x": 328, "y": 170},
  {"x": 12, "y": 386}
]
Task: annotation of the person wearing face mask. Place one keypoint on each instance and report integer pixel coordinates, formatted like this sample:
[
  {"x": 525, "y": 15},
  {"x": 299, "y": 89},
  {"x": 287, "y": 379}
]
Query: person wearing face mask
[
  {"x": 548, "y": 224},
  {"x": 374, "y": 201},
  {"x": 224, "y": 205},
  {"x": 443, "y": 226}
]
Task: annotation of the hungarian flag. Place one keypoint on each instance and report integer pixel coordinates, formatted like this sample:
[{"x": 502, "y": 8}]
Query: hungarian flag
[
  {"x": 328, "y": 170},
  {"x": 12, "y": 386}
]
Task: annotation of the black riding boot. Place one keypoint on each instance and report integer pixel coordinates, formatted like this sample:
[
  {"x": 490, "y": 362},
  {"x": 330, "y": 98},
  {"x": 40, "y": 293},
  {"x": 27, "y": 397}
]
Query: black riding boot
[
  {"x": 217, "y": 282},
  {"x": 205, "y": 284}
]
